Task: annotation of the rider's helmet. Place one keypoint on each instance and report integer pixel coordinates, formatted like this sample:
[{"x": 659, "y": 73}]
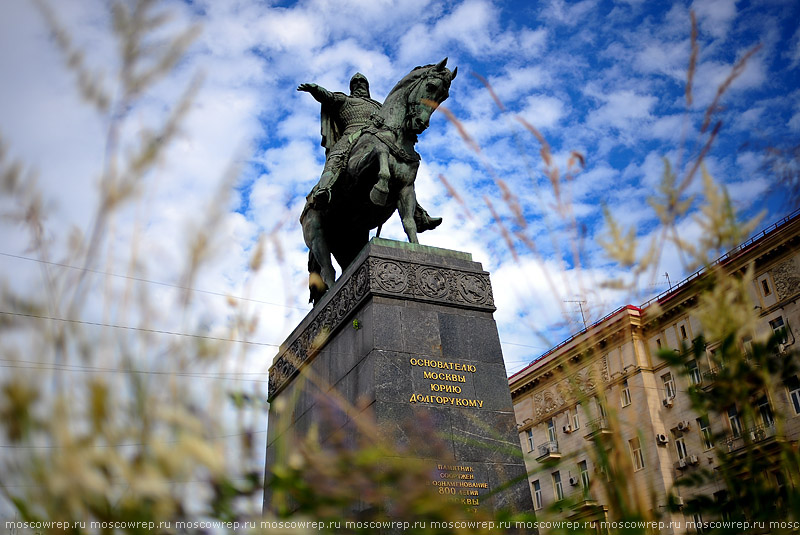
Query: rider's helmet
[{"x": 359, "y": 79}]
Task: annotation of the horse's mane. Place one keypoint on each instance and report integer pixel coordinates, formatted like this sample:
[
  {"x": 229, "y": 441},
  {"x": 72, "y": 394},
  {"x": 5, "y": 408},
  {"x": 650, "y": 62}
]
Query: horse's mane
[{"x": 409, "y": 80}]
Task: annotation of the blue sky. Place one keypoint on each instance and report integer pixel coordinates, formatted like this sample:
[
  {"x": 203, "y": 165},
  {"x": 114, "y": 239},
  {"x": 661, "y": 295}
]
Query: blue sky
[{"x": 605, "y": 79}]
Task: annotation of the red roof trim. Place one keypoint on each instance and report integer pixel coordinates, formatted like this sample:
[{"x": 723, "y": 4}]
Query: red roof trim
[{"x": 672, "y": 292}]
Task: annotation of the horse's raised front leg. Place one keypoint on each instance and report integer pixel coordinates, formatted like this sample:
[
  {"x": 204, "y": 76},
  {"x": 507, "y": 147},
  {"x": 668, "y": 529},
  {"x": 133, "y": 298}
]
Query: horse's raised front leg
[
  {"x": 406, "y": 204},
  {"x": 380, "y": 191},
  {"x": 318, "y": 283}
]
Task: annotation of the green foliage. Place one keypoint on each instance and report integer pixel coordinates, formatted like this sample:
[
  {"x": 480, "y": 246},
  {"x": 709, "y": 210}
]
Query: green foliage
[
  {"x": 747, "y": 465},
  {"x": 108, "y": 441}
]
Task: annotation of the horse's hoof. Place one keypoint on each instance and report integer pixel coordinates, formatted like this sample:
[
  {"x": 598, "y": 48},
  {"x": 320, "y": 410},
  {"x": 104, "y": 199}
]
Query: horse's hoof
[
  {"x": 378, "y": 196},
  {"x": 316, "y": 286}
]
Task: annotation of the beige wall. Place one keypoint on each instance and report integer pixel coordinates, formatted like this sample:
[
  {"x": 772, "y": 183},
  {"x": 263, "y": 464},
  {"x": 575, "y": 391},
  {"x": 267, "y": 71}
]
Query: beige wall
[{"x": 620, "y": 349}]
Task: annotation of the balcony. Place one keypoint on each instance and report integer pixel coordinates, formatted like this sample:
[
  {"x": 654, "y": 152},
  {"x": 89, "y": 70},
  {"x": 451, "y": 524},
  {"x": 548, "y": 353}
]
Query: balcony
[
  {"x": 597, "y": 428},
  {"x": 710, "y": 377},
  {"x": 586, "y": 502},
  {"x": 754, "y": 435},
  {"x": 548, "y": 452}
]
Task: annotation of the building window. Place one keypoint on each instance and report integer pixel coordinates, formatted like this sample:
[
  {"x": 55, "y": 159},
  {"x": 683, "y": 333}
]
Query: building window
[
  {"x": 735, "y": 423},
  {"x": 694, "y": 372},
  {"x": 625, "y": 394},
  {"x": 765, "y": 287},
  {"x": 698, "y": 523},
  {"x": 669, "y": 385},
  {"x": 778, "y": 326},
  {"x": 636, "y": 453},
  {"x": 529, "y": 435},
  {"x": 765, "y": 411},
  {"x": 793, "y": 387},
  {"x": 559, "y": 492},
  {"x": 780, "y": 487},
  {"x": 705, "y": 433},
  {"x": 658, "y": 343},
  {"x": 723, "y": 505},
  {"x": 601, "y": 411},
  {"x": 551, "y": 429},
  {"x": 576, "y": 419},
  {"x": 747, "y": 344},
  {"x": 684, "y": 336},
  {"x": 680, "y": 447},
  {"x": 537, "y": 495},
  {"x": 584, "y": 470},
  {"x": 716, "y": 356}
]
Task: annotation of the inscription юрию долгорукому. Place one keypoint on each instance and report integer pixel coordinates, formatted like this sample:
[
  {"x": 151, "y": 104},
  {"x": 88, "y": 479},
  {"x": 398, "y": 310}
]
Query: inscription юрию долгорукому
[{"x": 443, "y": 387}]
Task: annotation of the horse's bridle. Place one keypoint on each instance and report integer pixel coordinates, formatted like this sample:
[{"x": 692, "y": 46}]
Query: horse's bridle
[{"x": 413, "y": 107}]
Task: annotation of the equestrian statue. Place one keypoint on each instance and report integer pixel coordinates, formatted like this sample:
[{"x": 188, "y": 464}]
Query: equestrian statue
[{"x": 370, "y": 167}]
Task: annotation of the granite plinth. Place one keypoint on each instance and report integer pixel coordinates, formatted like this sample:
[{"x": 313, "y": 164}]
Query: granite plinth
[{"x": 407, "y": 335}]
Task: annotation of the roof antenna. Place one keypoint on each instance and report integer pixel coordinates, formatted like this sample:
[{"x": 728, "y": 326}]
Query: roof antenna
[{"x": 580, "y": 305}]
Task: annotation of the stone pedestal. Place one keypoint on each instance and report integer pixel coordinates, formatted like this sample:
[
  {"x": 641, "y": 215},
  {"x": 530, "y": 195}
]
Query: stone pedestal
[{"x": 407, "y": 333}]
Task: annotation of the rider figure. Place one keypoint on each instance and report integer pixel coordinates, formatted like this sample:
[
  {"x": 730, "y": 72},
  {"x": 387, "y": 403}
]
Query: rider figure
[{"x": 343, "y": 117}]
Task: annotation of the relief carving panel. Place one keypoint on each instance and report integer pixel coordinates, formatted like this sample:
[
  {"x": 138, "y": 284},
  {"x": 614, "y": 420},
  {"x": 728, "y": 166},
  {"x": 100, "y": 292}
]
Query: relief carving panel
[
  {"x": 408, "y": 280},
  {"x": 787, "y": 279},
  {"x": 566, "y": 390}
]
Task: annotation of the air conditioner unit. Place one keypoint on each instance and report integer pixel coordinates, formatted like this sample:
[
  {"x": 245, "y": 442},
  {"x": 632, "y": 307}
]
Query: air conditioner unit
[
  {"x": 573, "y": 480},
  {"x": 679, "y": 501},
  {"x": 682, "y": 464},
  {"x": 662, "y": 439},
  {"x": 567, "y": 428},
  {"x": 667, "y": 402},
  {"x": 683, "y": 426},
  {"x": 693, "y": 459}
]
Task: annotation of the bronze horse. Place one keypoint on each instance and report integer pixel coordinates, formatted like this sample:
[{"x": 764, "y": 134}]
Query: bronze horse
[{"x": 378, "y": 178}]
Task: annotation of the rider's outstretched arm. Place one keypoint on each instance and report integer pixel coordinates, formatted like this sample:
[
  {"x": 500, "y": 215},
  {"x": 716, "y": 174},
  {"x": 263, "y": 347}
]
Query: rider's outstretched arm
[{"x": 319, "y": 93}]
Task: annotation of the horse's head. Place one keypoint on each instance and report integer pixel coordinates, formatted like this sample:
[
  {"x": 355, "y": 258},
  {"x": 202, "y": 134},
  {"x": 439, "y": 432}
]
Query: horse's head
[
  {"x": 411, "y": 102},
  {"x": 432, "y": 88}
]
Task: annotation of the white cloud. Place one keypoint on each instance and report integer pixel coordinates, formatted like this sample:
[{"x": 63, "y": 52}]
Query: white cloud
[
  {"x": 569, "y": 14},
  {"x": 670, "y": 127},
  {"x": 794, "y": 122},
  {"x": 542, "y": 111},
  {"x": 715, "y": 16},
  {"x": 532, "y": 42},
  {"x": 749, "y": 119},
  {"x": 667, "y": 57},
  {"x": 519, "y": 82},
  {"x": 288, "y": 30},
  {"x": 793, "y": 50},
  {"x": 712, "y": 74},
  {"x": 622, "y": 109}
]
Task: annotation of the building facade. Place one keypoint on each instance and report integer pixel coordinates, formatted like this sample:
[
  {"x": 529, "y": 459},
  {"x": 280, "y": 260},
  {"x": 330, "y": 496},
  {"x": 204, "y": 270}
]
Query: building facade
[{"x": 605, "y": 401}]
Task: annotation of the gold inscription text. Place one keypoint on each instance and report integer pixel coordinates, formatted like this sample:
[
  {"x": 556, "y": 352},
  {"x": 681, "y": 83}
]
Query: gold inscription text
[
  {"x": 446, "y": 400},
  {"x": 439, "y": 376},
  {"x": 457, "y": 366}
]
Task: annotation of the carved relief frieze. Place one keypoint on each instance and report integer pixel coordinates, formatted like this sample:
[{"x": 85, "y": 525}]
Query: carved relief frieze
[
  {"x": 307, "y": 344},
  {"x": 787, "y": 279},
  {"x": 552, "y": 401},
  {"x": 435, "y": 283},
  {"x": 382, "y": 276},
  {"x": 567, "y": 390},
  {"x": 538, "y": 404}
]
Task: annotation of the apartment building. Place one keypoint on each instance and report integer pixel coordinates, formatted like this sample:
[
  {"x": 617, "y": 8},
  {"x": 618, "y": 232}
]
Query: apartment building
[{"x": 604, "y": 397}]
